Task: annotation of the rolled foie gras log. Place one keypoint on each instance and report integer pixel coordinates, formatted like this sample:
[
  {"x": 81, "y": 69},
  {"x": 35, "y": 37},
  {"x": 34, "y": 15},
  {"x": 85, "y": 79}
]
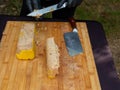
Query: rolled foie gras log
[{"x": 52, "y": 53}]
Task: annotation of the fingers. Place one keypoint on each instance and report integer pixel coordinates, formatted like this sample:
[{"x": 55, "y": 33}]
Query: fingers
[
  {"x": 39, "y": 4},
  {"x": 61, "y": 3},
  {"x": 29, "y": 5},
  {"x": 35, "y": 4},
  {"x": 69, "y": 3},
  {"x": 73, "y": 3}
]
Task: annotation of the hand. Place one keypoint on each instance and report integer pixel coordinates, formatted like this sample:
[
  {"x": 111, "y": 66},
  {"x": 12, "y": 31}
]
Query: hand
[
  {"x": 33, "y": 4},
  {"x": 70, "y": 3}
]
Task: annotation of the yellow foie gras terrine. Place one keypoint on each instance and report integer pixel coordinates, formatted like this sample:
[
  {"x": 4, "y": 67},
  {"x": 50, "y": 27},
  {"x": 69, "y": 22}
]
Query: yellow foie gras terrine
[{"x": 26, "y": 44}]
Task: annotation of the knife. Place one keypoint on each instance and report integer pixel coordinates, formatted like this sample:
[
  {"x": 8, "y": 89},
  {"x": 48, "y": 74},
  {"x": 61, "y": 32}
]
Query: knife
[
  {"x": 72, "y": 40},
  {"x": 40, "y": 12}
]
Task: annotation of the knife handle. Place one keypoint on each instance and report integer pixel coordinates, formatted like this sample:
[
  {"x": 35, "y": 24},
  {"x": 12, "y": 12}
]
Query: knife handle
[{"x": 72, "y": 22}]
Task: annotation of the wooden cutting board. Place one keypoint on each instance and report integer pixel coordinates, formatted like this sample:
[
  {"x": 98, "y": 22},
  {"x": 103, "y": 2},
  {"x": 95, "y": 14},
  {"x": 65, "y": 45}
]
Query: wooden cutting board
[{"x": 75, "y": 73}]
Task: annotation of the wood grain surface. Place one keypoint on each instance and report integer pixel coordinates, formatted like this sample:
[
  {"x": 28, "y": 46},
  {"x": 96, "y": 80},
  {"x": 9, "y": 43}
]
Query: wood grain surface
[{"x": 75, "y": 73}]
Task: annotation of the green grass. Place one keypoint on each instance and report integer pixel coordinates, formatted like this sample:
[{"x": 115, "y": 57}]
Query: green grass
[
  {"x": 107, "y": 12},
  {"x": 12, "y": 7}
]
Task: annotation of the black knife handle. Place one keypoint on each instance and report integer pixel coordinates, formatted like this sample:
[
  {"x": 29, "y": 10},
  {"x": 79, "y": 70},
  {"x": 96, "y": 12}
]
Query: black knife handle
[{"x": 72, "y": 22}]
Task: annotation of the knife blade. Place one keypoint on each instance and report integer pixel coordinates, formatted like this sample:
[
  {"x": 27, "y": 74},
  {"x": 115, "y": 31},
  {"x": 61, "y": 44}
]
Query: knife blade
[
  {"x": 72, "y": 40},
  {"x": 51, "y": 8}
]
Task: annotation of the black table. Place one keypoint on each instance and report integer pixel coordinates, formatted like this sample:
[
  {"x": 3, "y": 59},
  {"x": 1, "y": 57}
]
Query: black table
[{"x": 103, "y": 58}]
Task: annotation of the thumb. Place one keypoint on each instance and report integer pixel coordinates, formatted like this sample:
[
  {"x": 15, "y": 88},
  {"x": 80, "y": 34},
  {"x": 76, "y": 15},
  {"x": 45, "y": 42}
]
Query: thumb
[{"x": 61, "y": 3}]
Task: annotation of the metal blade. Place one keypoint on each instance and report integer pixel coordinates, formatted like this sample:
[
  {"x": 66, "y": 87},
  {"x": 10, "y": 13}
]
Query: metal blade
[
  {"x": 73, "y": 43},
  {"x": 46, "y": 10}
]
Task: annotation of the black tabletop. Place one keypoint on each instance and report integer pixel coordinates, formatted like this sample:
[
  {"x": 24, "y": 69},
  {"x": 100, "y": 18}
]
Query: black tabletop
[{"x": 103, "y": 58}]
